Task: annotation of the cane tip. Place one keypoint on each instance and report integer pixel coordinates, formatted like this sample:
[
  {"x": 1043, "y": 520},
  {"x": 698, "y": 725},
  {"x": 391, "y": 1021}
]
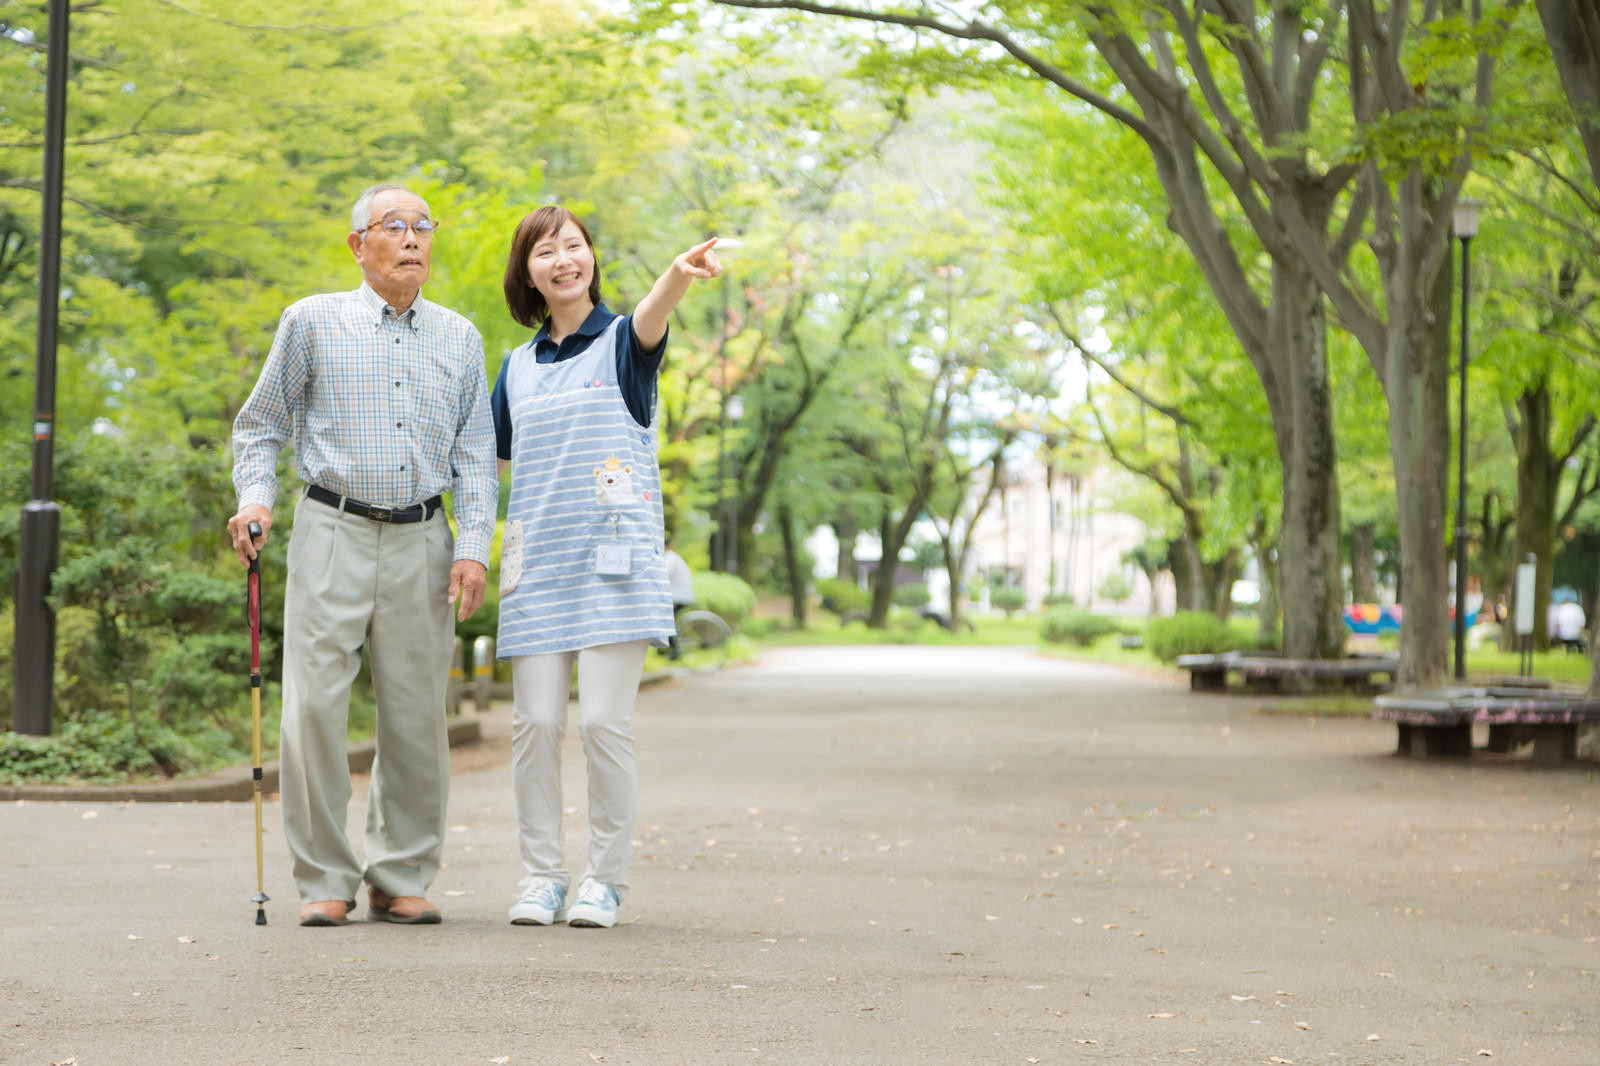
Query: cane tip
[{"x": 261, "y": 916}]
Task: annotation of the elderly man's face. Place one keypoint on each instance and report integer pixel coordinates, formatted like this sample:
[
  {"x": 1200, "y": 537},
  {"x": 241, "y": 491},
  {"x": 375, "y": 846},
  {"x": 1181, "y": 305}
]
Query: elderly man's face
[{"x": 395, "y": 265}]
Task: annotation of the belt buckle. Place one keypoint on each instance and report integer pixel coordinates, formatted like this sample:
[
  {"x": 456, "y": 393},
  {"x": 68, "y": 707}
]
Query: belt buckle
[{"x": 380, "y": 514}]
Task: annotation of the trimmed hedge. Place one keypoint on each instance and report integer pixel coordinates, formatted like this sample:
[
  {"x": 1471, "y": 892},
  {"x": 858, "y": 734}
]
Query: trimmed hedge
[
  {"x": 724, "y": 594},
  {"x": 1074, "y": 625},
  {"x": 1189, "y": 633},
  {"x": 912, "y": 594},
  {"x": 843, "y": 597}
]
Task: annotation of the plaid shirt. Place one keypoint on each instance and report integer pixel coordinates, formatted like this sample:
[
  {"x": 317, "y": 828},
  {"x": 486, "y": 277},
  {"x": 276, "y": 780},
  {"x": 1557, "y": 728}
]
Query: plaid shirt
[{"x": 388, "y": 409}]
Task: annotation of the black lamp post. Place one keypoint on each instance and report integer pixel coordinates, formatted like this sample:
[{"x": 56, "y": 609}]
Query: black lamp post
[
  {"x": 34, "y": 647},
  {"x": 735, "y": 411},
  {"x": 1464, "y": 225}
]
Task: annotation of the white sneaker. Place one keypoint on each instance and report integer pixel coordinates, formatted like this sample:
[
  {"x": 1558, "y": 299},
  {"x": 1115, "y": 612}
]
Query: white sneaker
[
  {"x": 543, "y": 903},
  {"x": 596, "y": 906}
]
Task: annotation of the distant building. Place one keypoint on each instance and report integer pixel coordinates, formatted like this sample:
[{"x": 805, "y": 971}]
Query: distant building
[{"x": 1065, "y": 540}]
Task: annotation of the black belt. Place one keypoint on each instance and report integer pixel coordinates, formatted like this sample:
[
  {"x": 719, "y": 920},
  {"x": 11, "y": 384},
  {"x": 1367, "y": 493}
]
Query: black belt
[{"x": 417, "y": 512}]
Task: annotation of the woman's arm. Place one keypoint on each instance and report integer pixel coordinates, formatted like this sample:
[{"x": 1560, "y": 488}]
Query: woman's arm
[{"x": 650, "y": 317}]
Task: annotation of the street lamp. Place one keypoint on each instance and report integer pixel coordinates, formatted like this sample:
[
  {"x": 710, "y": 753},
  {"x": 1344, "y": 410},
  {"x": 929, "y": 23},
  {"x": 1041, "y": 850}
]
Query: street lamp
[
  {"x": 735, "y": 412},
  {"x": 39, "y": 533},
  {"x": 1464, "y": 225}
]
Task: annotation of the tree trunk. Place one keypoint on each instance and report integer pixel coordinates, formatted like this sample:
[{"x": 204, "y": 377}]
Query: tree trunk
[
  {"x": 1267, "y": 607},
  {"x": 1573, "y": 29},
  {"x": 1538, "y": 477},
  {"x": 845, "y": 529},
  {"x": 798, "y": 582},
  {"x": 1363, "y": 564},
  {"x": 893, "y": 536},
  {"x": 1309, "y": 550},
  {"x": 1416, "y": 382}
]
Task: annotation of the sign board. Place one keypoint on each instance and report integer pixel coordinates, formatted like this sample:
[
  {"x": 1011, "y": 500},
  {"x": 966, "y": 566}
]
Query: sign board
[{"x": 1524, "y": 619}]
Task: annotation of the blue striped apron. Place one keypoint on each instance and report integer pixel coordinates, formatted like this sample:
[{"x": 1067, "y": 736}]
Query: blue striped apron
[{"x": 582, "y": 557}]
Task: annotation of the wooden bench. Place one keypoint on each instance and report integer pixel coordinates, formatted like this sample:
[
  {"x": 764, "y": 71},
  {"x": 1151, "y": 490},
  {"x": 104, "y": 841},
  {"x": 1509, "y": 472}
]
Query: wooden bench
[
  {"x": 1440, "y": 723},
  {"x": 1270, "y": 673}
]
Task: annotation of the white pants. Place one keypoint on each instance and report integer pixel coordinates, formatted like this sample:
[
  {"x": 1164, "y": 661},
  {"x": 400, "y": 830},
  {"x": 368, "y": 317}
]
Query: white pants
[
  {"x": 351, "y": 582},
  {"x": 608, "y": 682}
]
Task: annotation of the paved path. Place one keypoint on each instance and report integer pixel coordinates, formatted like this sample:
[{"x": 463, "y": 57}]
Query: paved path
[{"x": 872, "y": 855}]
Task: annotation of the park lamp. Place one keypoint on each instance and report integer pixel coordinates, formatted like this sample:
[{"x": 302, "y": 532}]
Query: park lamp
[{"x": 1464, "y": 225}]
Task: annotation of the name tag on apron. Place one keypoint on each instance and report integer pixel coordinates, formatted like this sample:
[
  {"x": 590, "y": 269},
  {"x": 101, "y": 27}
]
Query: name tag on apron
[{"x": 612, "y": 559}]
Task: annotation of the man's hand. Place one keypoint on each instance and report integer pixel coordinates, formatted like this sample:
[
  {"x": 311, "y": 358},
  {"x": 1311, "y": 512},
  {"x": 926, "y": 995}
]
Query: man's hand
[
  {"x": 239, "y": 531},
  {"x": 468, "y": 579}
]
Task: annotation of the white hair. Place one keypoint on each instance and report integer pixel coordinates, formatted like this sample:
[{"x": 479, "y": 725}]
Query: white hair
[{"x": 360, "y": 214}]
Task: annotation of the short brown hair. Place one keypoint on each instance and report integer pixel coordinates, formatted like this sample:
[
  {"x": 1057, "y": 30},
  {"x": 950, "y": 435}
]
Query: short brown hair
[{"x": 526, "y": 302}]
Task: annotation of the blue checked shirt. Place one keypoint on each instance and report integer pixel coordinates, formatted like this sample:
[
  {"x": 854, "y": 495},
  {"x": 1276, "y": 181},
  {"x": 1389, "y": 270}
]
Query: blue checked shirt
[{"x": 388, "y": 409}]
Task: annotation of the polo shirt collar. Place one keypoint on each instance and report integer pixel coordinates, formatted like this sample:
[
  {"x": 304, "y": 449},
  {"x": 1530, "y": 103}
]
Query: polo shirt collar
[
  {"x": 592, "y": 326},
  {"x": 381, "y": 310}
]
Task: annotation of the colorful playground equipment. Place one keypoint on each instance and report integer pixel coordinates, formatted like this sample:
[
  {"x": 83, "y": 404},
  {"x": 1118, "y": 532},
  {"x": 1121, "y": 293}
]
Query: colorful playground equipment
[{"x": 1372, "y": 619}]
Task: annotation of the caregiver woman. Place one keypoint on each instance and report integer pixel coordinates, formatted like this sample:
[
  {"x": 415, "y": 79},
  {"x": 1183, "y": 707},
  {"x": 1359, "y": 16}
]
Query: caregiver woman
[{"x": 583, "y": 573}]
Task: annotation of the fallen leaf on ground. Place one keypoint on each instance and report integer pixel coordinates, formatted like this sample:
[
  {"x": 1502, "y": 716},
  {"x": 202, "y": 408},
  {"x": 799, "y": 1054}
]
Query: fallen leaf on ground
[
  {"x": 91, "y": 814},
  {"x": 132, "y": 936},
  {"x": 186, "y": 940},
  {"x": 1374, "y": 1036},
  {"x": 1274, "y": 1059},
  {"x": 1160, "y": 1015},
  {"x": 1077, "y": 1040},
  {"x": 1241, "y": 999},
  {"x": 1486, "y": 1053},
  {"x": 502, "y": 1060},
  {"x": 1305, "y": 1026}
]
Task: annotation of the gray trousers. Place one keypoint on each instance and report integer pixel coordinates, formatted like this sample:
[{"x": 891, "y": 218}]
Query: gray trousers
[{"x": 355, "y": 582}]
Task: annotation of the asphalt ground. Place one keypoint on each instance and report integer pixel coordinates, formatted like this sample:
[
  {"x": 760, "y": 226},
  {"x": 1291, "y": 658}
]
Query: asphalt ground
[{"x": 870, "y": 855}]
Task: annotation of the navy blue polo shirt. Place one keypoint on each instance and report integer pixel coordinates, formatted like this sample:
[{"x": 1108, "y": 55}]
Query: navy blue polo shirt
[{"x": 636, "y": 371}]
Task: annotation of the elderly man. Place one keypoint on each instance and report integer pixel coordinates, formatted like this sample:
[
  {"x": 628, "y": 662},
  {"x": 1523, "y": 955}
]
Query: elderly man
[{"x": 384, "y": 396}]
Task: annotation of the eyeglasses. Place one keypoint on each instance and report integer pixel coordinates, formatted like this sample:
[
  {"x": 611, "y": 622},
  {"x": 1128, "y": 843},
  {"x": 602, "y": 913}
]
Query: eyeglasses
[{"x": 396, "y": 227}]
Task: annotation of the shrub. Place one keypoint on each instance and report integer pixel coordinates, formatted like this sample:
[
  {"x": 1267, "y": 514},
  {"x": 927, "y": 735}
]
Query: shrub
[
  {"x": 724, "y": 594},
  {"x": 914, "y": 594},
  {"x": 1073, "y": 625},
  {"x": 1188, "y": 633},
  {"x": 1116, "y": 587},
  {"x": 843, "y": 597},
  {"x": 1008, "y": 600},
  {"x": 1059, "y": 599}
]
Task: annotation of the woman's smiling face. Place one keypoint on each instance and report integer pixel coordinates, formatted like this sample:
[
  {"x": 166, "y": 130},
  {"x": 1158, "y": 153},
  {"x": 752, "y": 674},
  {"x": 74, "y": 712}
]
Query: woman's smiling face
[{"x": 561, "y": 265}]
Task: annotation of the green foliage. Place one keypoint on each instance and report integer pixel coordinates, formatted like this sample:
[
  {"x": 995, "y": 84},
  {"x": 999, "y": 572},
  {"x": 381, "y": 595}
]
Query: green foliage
[
  {"x": 724, "y": 594},
  {"x": 97, "y": 747},
  {"x": 1189, "y": 633},
  {"x": 1008, "y": 599},
  {"x": 843, "y": 597},
  {"x": 912, "y": 594},
  {"x": 1064, "y": 625},
  {"x": 1116, "y": 587}
]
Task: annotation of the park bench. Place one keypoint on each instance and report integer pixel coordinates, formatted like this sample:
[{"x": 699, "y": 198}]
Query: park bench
[
  {"x": 1440, "y": 722},
  {"x": 1273, "y": 673}
]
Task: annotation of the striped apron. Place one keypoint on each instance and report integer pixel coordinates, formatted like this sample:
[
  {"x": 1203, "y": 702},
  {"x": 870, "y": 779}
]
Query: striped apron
[{"x": 582, "y": 557}]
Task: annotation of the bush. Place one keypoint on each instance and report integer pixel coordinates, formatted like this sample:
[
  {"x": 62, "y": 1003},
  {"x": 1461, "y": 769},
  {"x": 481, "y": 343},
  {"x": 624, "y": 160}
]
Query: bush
[
  {"x": 1008, "y": 600},
  {"x": 1072, "y": 625},
  {"x": 724, "y": 594},
  {"x": 1188, "y": 633},
  {"x": 1059, "y": 599},
  {"x": 843, "y": 597},
  {"x": 914, "y": 594},
  {"x": 100, "y": 748}
]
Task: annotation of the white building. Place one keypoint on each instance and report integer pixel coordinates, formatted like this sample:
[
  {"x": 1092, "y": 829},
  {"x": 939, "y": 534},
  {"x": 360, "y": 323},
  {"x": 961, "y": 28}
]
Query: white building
[{"x": 1065, "y": 540}]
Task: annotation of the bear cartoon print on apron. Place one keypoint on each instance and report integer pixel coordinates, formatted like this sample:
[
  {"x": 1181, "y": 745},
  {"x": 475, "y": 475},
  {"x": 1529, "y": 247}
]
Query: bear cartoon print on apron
[{"x": 583, "y": 561}]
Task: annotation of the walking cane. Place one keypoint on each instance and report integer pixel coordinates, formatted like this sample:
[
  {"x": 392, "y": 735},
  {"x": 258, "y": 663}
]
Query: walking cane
[{"x": 255, "y": 711}]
